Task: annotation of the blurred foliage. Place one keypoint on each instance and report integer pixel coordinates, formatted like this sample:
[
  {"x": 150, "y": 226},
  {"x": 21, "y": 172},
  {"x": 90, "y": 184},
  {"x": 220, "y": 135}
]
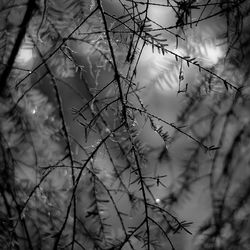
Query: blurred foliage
[{"x": 99, "y": 191}]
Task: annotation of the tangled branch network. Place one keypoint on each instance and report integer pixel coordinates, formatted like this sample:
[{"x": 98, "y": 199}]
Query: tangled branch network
[{"x": 116, "y": 117}]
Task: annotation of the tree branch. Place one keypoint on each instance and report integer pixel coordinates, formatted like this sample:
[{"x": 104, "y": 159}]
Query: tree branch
[{"x": 31, "y": 6}]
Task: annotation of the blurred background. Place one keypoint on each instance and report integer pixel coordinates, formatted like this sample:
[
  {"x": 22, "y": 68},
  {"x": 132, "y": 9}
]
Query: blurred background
[{"x": 159, "y": 76}]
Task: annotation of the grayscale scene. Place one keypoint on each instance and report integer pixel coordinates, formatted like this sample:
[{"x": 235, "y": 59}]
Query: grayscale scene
[{"x": 124, "y": 125}]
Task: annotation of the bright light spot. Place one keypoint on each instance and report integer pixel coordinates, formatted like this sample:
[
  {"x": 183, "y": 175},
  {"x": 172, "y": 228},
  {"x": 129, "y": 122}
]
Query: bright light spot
[
  {"x": 206, "y": 50},
  {"x": 160, "y": 14},
  {"x": 157, "y": 200},
  {"x": 24, "y": 55},
  {"x": 34, "y": 110},
  {"x": 213, "y": 54},
  {"x": 156, "y": 68}
]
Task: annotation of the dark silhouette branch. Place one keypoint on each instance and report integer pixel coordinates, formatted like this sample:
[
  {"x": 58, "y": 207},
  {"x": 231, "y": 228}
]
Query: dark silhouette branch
[{"x": 31, "y": 7}]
